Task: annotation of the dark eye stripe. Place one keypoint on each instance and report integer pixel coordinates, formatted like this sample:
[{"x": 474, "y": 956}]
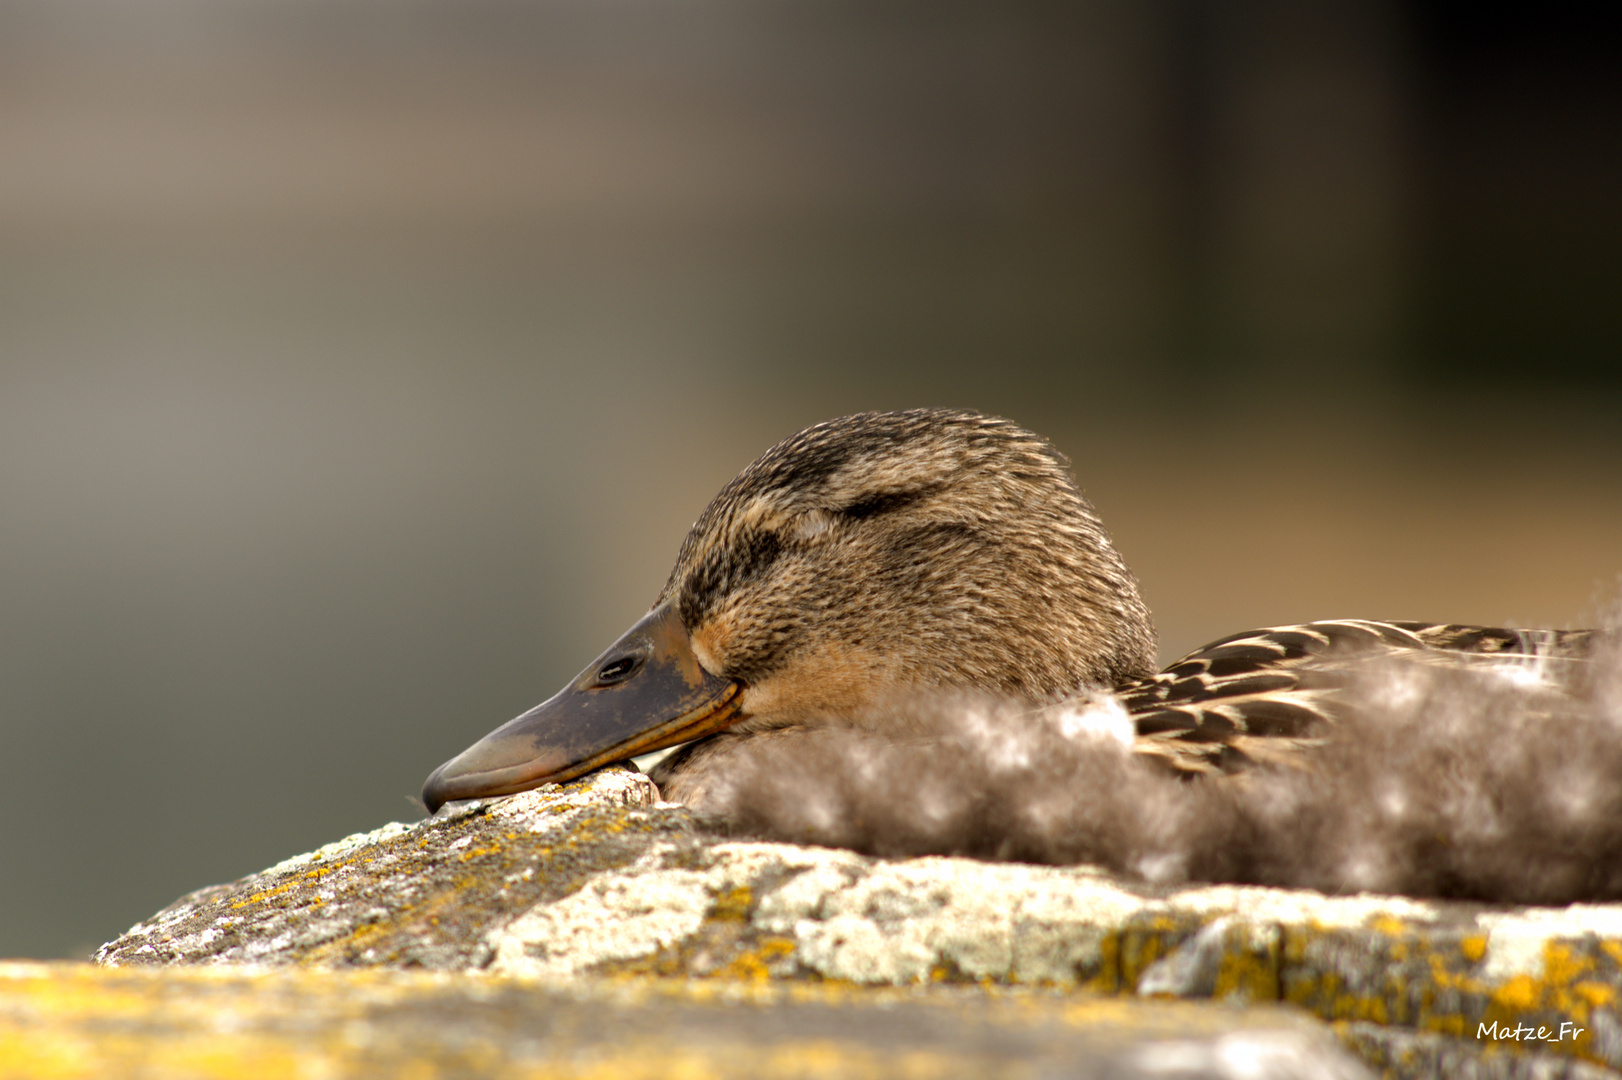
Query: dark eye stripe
[{"x": 888, "y": 502}]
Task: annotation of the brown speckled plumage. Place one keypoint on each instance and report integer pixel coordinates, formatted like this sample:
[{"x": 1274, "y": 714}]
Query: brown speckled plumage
[
  {"x": 943, "y": 550},
  {"x": 930, "y": 548}
]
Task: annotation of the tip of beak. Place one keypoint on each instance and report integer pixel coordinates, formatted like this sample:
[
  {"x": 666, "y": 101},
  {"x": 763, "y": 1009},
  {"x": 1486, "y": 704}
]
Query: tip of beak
[
  {"x": 432, "y": 797},
  {"x": 434, "y": 794},
  {"x": 495, "y": 765}
]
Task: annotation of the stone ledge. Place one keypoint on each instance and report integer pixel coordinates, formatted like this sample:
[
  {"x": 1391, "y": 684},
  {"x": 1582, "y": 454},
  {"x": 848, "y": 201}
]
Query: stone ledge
[
  {"x": 424, "y": 895},
  {"x": 570, "y": 884},
  {"x": 75, "y": 1020}
]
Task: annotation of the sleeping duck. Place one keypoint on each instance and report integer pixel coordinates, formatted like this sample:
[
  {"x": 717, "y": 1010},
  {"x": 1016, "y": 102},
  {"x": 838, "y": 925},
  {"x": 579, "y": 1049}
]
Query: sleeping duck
[{"x": 886, "y": 556}]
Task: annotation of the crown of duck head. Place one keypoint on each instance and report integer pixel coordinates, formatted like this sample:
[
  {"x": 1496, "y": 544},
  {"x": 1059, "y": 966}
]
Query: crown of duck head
[
  {"x": 930, "y": 548},
  {"x": 925, "y": 547}
]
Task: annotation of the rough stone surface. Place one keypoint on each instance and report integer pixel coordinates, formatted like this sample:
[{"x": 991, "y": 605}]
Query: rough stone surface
[
  {"x": 594, "y": 880},
  {"x": 424, "y": 895},
  {"x": 79, "y": 1021}
]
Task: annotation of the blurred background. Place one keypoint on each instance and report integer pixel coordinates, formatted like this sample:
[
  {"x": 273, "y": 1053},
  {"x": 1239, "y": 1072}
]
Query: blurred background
[{"x": 363, "y": 362}]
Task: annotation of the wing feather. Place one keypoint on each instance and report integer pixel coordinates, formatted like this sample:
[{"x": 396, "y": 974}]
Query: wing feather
[{"x": 1264, "y": 696}]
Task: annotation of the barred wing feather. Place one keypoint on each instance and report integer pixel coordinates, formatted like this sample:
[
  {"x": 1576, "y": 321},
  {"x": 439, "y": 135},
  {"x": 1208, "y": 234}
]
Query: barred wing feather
[{"x": 1265, "y": 695}]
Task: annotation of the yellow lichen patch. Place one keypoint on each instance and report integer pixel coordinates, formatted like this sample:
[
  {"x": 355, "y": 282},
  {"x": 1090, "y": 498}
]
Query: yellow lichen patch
[
  {"x": 1473, "y": 947},
  {"x": 370, "y": 934},
  {"x": 1361, "y": 1007},
  {"x": 263, "y": 895},
  {"x": 1449, "y": 1024},
  {"x": 1516, "y": 995},
  {"x": 357, "y": 940},
  {"x": 298, "y": 882},
  {"x": 1396, "y": 931},
  {"x": 1327, "y": 995},
  {"x": 220, "y": 1056},
  {"x": 755, "y": 965},
  {"x": 1108, "y": 978},
  {"x": 1389, "y": 925},
  {"x": 36, "y": 991},
  {"x": 478, "y": 852},
  {"x": 1444, "y": 977},
  {"x": 826, "y": 991},
  {"x": 1247, "y": 974},
  {"x": 1562, "y": 967},
  {"x": 1595, "y": 995},
  {"x": 732, "y": 905},
  {"x": 1140, "y": 946}
]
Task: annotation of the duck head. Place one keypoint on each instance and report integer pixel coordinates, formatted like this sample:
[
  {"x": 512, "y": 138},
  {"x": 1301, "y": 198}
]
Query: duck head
[{"x": 929, "y": 548}]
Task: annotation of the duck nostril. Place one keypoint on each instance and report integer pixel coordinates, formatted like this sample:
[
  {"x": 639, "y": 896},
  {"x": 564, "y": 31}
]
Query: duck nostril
[{"x": 618, "y": 670}]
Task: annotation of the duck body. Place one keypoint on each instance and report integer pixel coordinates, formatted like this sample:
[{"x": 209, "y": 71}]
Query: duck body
[
  {"x": 1284, "y": 698},
  {"x": 931, "y": 552}
]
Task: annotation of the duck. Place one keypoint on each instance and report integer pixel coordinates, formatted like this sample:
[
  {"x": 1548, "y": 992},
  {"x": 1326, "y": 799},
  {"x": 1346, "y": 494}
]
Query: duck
[{"x": 887, "y": 556}]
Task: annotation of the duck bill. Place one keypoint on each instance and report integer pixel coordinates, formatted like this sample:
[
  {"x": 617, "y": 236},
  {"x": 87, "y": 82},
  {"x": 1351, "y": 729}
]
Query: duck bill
[{"x": 646, "y": 692}]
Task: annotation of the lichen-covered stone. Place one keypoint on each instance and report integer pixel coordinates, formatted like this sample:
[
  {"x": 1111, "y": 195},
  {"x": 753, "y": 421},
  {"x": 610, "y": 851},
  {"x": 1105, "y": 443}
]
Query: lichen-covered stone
[
  {"x": 73, "y": 1020},
  {"x": 595, "y": 879},
  {"x": 1403, "y": 1052},
  {"x": 424, "y": 895}
]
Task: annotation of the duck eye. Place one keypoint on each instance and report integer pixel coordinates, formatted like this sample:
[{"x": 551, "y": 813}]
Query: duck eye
[
  {"x": 810, "y": 525},
  {"x": 618, "y": 670}
]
